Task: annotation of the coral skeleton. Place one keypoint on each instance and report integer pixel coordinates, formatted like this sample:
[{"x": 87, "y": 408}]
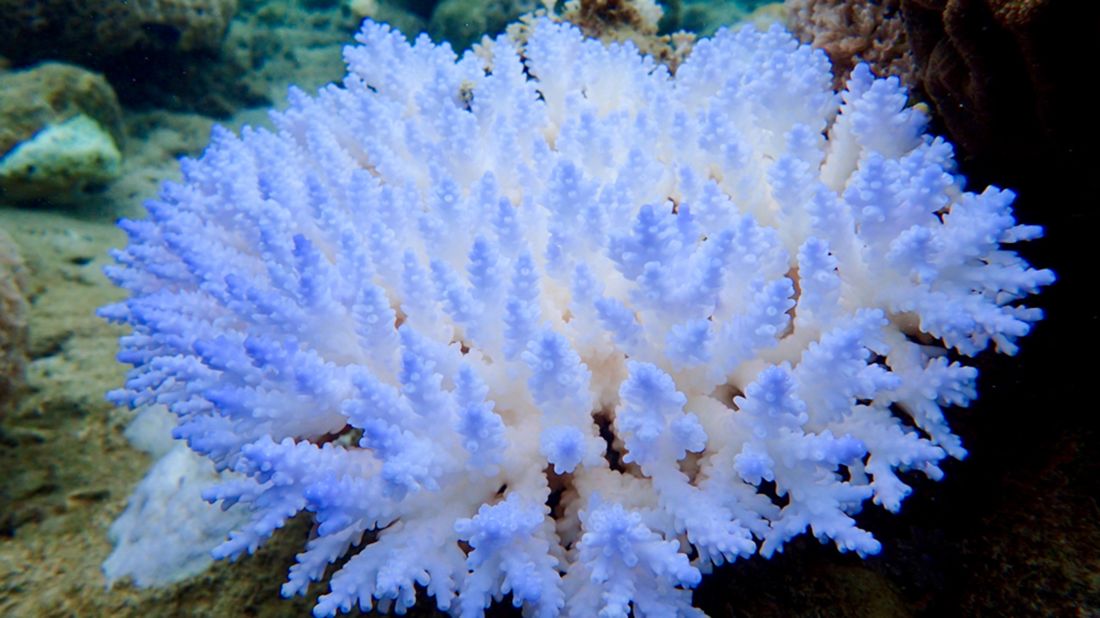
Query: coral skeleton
[{"x": 549, "y": 322}]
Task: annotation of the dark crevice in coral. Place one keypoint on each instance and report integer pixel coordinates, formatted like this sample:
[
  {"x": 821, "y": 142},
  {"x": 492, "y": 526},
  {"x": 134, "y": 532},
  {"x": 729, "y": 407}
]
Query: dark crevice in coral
[
  {"x": 611, "y": 454},
  {"x": 844, "y": 473},
  {"x": 559, "y": 485},
  {"x": 465, "y": 547},
  {"x": 771, "y": 491},
  {"x": 348, "y": 436},
  {"x": 503, "y": 608},
  {"x": 906, "y": 419}
]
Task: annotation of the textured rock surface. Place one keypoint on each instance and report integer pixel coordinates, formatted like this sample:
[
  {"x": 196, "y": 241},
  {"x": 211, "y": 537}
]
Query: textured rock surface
[
  {"x": 49, "y": 94},
  {"x": 92, "y": 32},
  {"x": 60, "y": 132},
  {"x": 13, "y": 322},
  {"x": 61, "y": 162}
]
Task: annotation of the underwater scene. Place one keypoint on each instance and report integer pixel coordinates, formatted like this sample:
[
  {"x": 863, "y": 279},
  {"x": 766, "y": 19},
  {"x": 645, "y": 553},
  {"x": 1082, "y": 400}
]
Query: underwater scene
[{"x": 586, "y": 308}]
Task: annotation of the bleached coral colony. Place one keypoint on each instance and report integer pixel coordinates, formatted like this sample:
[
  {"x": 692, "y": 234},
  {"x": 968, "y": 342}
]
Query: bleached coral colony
[{"x": 549, "y": 321}]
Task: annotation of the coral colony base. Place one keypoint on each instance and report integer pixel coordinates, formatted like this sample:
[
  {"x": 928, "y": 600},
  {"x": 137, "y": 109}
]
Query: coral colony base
[{"x": 548, "y": 321}]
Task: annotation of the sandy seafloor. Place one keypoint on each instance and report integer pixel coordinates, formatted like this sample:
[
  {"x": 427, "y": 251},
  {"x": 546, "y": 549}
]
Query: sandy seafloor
[{"x": 1013, "y": 531}]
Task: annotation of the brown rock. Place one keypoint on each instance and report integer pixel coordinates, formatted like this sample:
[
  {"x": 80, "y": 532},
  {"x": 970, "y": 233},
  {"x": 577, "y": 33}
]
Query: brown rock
[
  {"x": 60, "y": 134},
  {"x": 1002, "y": 74},
  {"x": 49, "y": 94}
]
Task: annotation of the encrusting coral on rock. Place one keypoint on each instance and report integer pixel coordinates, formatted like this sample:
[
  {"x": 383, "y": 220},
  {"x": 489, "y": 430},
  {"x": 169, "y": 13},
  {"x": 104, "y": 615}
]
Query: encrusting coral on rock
[
  {"x": 550, "y": 322},
  {"x": 853, "y": 32}
]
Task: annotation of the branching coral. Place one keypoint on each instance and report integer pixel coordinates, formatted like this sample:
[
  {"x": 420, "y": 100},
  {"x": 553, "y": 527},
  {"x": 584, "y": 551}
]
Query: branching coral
[{"x": 547, "y": 321}]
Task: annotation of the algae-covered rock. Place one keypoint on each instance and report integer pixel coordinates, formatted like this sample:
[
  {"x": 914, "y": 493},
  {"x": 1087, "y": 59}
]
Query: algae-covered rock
[
  {"x": 49, "y": 94},
  {"x": 60, "y": 161},
  {"x": 269, "y": 46},
  {"x": 94, "y": 32},
  {"x": 61, "y": 132}
]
